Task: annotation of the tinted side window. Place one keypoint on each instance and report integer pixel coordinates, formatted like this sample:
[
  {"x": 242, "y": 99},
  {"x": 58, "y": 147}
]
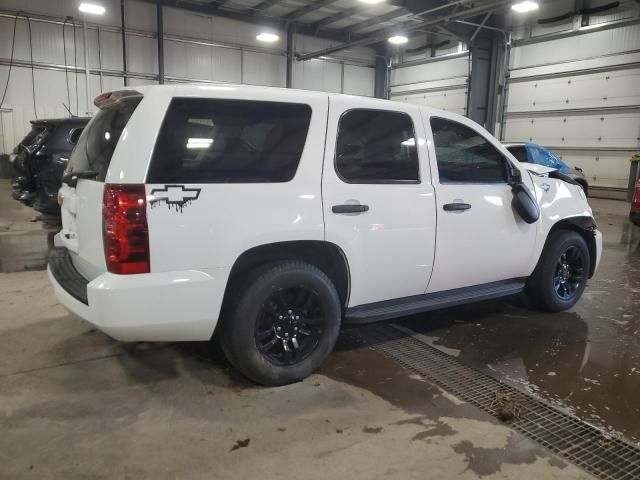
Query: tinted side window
[
  {"x": 99, "y": 138},
  {"x": 463, "y": 155},
  {"x": 229, "y": 141},
  {"x": 376, "y": 146},
  {"x": 520, "y": 152}
]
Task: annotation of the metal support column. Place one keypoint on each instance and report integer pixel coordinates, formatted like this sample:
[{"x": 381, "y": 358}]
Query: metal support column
[
  {"x": 290, "y": 56},
  {"x": 160, "y": 30},
  {"x": 380, "y": 88},
  {"x": 86, "y": 67},
  {"x": 124, "y": 44}
]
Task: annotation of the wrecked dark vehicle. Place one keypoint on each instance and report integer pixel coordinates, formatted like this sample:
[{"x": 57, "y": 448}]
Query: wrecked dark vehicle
[{"x": 39, "y": 160}]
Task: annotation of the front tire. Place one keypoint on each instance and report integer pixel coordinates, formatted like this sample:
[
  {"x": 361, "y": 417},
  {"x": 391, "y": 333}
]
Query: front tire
[
  {"x": 282, "y": 323},
  {"x": 560, "y": 277}
]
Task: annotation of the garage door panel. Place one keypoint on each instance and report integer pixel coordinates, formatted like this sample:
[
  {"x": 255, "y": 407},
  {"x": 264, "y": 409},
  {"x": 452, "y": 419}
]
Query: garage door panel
[
  {"x": 450, "y": 100},
  {"x": 606, "y": 130},
  {"x": 602, "y": 168},
  {"x": 600, "y": 90}
]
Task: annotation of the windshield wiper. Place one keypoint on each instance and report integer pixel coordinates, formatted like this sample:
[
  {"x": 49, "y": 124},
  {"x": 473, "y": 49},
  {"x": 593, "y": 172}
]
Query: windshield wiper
[{"x": 72, "y": 178}]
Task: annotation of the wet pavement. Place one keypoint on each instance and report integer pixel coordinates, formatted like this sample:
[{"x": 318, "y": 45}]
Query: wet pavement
[
  {"x": 24, "y": 239},
  {"x": 586, "y": 359}
]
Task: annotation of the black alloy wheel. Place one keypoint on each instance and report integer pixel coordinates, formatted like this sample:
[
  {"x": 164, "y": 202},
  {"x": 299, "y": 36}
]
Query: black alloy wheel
[
  {"x": 289, "y": 325},
  {"x": 569, "y": 273}
]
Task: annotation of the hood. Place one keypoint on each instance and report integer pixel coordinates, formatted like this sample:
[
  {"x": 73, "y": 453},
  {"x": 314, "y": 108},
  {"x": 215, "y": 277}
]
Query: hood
[{"x": 538, "y": 169}]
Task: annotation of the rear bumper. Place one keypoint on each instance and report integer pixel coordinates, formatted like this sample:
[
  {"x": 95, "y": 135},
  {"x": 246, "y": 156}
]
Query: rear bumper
[{"x": 166, "y": 306}]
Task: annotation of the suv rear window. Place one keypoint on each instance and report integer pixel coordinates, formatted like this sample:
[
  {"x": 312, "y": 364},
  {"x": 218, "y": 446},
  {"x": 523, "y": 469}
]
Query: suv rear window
[
  {"x": 99, "y": 139},
  {"x": 229, "y": 141}
]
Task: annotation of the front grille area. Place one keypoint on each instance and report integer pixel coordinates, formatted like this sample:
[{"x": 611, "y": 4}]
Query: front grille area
[{"x": 605, "y": 456}]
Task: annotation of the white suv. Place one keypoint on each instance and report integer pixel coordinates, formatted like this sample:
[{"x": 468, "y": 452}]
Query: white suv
[{"x": 275, "y": 215}]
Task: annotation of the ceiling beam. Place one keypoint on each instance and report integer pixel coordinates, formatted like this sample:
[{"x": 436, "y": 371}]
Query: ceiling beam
[
  {"x": 383, "y": 34},
  {"x": 312, "y": 7},
  {"x": 264, "y": 5},
  {"x": 262, "y": 20},
  {"x": 399, "y": 12}
]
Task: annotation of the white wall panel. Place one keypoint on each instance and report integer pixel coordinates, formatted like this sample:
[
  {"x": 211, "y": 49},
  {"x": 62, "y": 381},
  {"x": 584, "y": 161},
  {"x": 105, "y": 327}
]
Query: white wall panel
[
  {"x": 228, "y": 52},
  {"x": 602, "y": 168},
  {"x": 316, "y": 74},
  {"x": 359, "y": 80},
  {"x": 263, "y": 69}
]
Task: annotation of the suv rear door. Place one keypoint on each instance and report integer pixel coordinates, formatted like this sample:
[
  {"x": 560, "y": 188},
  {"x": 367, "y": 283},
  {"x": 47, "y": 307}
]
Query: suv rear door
[
  {"x": 82, "y": 190},
  {"x": 379, "y": 205}
]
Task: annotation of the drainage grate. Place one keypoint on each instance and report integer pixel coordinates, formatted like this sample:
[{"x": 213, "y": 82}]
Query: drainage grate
[{"x": 566, "y": 435}]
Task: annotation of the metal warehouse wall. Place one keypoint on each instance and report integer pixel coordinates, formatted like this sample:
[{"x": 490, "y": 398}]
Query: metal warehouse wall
[
  {"x": 577, "y": 90},
  {"x": 197, "y": 48},
  {"x": 440, "y": 82}
]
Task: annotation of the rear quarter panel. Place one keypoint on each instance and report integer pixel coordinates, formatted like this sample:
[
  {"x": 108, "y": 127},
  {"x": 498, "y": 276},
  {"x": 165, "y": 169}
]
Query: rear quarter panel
[{"x": 226, "y": 220}]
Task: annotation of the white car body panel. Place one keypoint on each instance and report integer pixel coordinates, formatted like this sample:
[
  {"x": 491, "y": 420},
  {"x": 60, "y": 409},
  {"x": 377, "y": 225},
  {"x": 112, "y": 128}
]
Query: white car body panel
[
  {"x": 405, "y": 245},
  {"x": 389, "y": 248},
  {"x": 489, "y": 241}
]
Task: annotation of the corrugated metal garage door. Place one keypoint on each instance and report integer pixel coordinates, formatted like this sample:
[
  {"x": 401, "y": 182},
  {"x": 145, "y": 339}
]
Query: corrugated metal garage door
[
  {"x": 580, "y": 96},
  {"x": 438, "y": 83}
]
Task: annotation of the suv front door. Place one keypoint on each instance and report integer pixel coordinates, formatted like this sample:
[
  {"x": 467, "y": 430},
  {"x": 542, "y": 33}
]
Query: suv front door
[
  {"x": 378, "y": 200},
  {"x": 480, "y": 238}
]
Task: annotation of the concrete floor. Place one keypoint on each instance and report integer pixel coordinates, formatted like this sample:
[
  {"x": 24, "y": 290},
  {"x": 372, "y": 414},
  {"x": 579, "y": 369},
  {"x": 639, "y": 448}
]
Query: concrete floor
[
  {"x": 76, "y": 404},
  {"x": 586, "y": 359}
]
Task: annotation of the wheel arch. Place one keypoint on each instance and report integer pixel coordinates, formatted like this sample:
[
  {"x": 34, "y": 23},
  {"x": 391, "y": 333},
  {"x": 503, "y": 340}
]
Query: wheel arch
[
  {"x": 326, "y": 256},
  {"x": 585, "y": 227}
]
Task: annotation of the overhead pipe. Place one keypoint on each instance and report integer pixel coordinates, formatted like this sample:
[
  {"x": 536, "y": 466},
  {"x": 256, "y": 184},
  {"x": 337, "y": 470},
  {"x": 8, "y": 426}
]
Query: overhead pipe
[{"x": 381, "y": 35}]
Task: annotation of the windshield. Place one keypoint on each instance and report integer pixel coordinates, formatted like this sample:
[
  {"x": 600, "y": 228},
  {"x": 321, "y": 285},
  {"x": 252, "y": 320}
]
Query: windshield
[{"x": 95, "y": 146}]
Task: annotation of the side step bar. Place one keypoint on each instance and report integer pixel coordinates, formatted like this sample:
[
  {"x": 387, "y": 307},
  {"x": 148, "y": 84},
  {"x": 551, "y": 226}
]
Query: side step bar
[{"x": 378, "y": 311}]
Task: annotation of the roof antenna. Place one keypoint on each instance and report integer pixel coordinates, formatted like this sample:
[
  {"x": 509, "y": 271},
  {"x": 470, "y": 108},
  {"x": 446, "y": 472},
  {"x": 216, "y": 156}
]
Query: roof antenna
[{"x": 67, "y": 109}]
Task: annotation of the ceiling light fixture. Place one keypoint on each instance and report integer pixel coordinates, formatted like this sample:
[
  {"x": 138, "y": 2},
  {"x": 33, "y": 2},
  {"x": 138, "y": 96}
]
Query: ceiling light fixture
[
  {"x": 398, "y": 39},
  {"x": 371, "y": 2},
  {"x": 525, "y": 7},
  {"x": 91, "y": 8},
  {"x": 267, "y": 37}
]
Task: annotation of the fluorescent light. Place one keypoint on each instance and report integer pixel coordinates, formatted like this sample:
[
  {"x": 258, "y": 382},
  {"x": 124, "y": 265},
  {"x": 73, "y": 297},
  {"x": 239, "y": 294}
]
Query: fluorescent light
[
  {"x": 398, "y": 39},
  {"x": 371, "y": 2},
  {"x": 199, "y": 143},
  {"x": 409, "y": 142},
  {"x": 267, "y": 37},
  {"x": 91, "y": 8},
  {"x": 524, "y": 7}
]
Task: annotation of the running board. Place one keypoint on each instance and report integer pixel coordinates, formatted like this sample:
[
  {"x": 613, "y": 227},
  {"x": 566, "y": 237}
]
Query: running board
[{"x": 375, "y": 312}]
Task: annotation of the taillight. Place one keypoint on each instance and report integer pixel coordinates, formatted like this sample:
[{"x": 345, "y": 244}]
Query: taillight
[{"x": 124, "y": 229}]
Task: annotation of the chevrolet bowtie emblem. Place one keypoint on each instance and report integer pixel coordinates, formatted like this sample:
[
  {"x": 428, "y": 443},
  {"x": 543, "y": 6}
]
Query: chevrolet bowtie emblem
[{"x": 175, "y": 196}]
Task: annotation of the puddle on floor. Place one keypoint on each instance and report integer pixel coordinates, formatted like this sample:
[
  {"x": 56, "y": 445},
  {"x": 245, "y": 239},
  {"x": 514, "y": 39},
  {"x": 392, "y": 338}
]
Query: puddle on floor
[{"x": 587, "y": 359}]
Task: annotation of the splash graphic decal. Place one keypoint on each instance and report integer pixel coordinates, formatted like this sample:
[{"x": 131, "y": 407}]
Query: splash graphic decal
[{"x": 174, "y": 196}]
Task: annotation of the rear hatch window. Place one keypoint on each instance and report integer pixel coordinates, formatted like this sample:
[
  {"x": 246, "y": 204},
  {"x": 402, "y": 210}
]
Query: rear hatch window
[
  {"x": 229, "y": 141},
  {"x": 33, "y": 138},
  {"x": 95, "y": 146}
]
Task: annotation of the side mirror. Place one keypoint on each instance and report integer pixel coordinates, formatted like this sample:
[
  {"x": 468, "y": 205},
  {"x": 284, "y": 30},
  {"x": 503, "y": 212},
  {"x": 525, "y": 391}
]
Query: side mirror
[
  {"x": 74, "y": 135},
  {"x": 524, "y": 203}
]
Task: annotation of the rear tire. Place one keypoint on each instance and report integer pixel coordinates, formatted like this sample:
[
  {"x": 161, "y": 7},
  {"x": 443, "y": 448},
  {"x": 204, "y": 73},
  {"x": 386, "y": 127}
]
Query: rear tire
[
  {"x": 560, "y": 277},
  {"x": 282, "y": 323}
]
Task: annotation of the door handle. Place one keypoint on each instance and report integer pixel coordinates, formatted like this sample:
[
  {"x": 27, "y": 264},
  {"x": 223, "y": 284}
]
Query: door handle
[
  {"x": 350, "y": 208},
  {"x": 456, "y": 207}
]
